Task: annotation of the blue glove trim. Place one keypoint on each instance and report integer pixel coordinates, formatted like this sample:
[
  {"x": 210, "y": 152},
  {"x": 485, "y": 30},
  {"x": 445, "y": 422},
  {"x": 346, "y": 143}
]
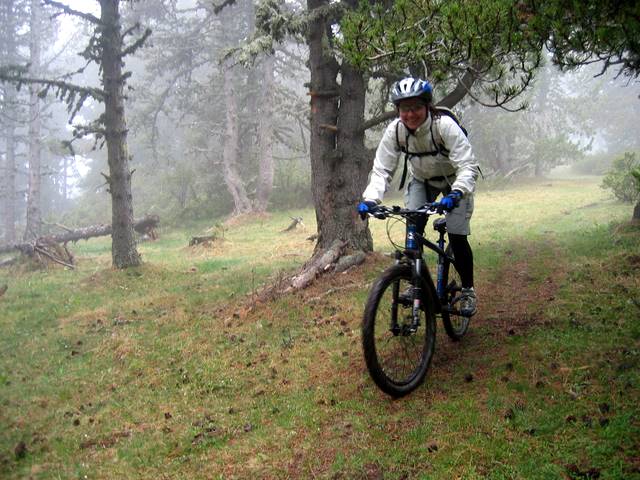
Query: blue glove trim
[
  {"x": 365, "y": 207},
  {"x": 451, "y": 201}
]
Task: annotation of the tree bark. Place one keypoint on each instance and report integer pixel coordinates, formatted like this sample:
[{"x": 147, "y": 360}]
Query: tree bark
[
  {"x": 34, "y": 213},
  {"x": 339, "y": 166},
  {"x": 123, "y": 248},
  {"x": 9, "y": 171},
  {"x": 460, "y": 91},
  {"x": 265, "y": 137},
  {"x": 636, "y": 212},
  {"x": 230, "y": 151},
  {"x": 8, "y": 50},
  {"x": 353, "y": 172},
  {"x": 65, "y": 178}
]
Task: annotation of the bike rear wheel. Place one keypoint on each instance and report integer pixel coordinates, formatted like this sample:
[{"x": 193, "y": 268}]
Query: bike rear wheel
[
  {"x": 396, "y": 350},
  {"x": 455, "y": 324}
]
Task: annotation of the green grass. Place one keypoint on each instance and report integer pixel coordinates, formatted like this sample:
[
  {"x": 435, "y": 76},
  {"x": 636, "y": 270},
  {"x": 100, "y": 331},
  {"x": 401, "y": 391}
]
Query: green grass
[{"x": 163, "y": 370}]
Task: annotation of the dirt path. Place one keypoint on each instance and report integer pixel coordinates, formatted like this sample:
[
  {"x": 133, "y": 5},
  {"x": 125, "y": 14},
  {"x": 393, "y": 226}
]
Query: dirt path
[
  {"x": 512, "y": 302},
  {"x": 515, "y": 299}
]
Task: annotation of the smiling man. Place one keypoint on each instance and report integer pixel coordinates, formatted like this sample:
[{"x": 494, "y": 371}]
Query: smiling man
[{"x": 440, "y": 160}]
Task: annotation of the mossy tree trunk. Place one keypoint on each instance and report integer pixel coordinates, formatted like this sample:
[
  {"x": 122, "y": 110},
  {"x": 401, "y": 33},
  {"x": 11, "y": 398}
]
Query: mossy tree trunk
[
  {"x": 34, "y": 210},
  {"x": 123, "y": 246},
  {"x": 9, "y": 133},
  {"x": 339, "y": 161}
]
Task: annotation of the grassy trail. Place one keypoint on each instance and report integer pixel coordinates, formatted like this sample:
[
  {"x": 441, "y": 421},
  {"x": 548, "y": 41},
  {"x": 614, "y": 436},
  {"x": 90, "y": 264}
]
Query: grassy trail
[{"x": 171, "y": 371}]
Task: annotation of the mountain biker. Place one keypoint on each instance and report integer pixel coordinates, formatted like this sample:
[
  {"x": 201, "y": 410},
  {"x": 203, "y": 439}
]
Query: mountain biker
[{"x": 440, "y": 161}]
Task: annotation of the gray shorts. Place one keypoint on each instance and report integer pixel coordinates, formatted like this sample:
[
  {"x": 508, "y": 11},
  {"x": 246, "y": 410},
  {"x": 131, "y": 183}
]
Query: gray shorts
[{"x": 418, "y": 193}]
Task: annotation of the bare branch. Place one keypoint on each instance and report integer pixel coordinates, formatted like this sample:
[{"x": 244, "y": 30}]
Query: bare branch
[
  {"x": 52, "y": 257},
  {"x": 70, "y": 11}
]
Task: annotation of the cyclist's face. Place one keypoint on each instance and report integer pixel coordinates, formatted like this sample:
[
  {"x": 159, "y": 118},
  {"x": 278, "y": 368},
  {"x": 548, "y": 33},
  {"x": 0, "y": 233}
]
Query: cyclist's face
[{"x": 413, "y": 112}]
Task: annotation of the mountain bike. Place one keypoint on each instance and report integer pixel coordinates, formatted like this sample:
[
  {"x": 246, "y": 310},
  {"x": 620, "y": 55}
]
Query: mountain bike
[{"x": 399, "y": 324}]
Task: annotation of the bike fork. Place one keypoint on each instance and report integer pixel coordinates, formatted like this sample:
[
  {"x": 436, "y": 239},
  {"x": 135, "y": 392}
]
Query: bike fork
[
  {"x": 394, "y": 328},
  {"x": 417, "y": 295},
  {"x": 440, "y": 287}
]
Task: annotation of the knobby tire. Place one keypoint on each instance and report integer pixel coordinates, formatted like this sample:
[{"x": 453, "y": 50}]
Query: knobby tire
[
  {"x": 456, "y": 326},
  {"x": 397, "y": 363}
]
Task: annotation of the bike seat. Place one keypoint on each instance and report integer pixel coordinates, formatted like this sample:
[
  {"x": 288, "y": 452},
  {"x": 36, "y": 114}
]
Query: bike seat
[{"x": 440, "y": 225}]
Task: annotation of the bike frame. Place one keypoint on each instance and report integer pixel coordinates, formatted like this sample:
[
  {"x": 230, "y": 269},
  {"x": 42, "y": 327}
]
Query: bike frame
[
  {"x": 419, "y": 303},
  {"x": 412, "y": 251}
]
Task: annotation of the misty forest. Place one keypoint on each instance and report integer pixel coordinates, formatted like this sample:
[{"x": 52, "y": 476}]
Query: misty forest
[
  {"x": 214, "y": 111},
  {"x": 184, "y": 174}
]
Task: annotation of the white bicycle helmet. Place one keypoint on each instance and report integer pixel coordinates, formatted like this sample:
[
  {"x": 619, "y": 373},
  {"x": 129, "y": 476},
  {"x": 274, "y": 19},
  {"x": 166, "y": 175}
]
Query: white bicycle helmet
[{"x": 411, "y": 88}]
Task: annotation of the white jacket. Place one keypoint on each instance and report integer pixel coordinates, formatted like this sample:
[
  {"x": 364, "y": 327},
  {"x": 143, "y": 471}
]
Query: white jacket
[{"x": 459, "y": 169}]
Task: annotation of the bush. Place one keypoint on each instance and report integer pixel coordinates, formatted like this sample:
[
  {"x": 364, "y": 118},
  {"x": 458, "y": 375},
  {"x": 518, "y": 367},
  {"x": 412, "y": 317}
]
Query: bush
[{"x": 623, "y": 179}]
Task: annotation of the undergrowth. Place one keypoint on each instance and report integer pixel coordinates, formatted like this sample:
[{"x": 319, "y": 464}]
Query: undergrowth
[{"x": 171, "y": 370}]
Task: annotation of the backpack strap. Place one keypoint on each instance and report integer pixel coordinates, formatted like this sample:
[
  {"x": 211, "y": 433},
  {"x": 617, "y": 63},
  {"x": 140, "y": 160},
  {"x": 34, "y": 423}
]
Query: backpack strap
[
  {"x": 405, "y": 149},
  {"x": 406, "y": 156},
  {"x": 439, "y": 145}
]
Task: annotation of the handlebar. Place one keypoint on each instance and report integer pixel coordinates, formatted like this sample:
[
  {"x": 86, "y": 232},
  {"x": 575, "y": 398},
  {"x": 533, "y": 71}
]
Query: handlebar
[{"x": 383, "y": 211}]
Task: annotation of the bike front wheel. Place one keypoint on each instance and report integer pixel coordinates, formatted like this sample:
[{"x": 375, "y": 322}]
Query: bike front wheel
[
  {"x": 397, "y": 344},
  {"x": 454, "y": 324}
]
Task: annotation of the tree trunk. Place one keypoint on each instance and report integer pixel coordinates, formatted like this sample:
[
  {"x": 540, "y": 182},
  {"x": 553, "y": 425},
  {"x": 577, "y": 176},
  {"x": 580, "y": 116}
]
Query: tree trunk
[
  {"x": 34, "y": 215},
  {"x": 265, "y": 137},
  {"x": 9, "y": 173},
  {"x": 230, "y": 151},
  {"x": 353, "y": 171},
  {"x": 503, "y": 148},
  {"x": 636, "y": 212},
  {"x": 338, "y": 163},
  {"x": 65, "y": 179},
  {"x": 8, "y": 51},
  {"x": 123, "y": 247}
]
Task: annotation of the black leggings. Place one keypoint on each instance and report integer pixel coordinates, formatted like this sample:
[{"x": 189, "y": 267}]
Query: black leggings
[
  {"x": 464, "y": 258},
  {"x": 461, "y": 251}
]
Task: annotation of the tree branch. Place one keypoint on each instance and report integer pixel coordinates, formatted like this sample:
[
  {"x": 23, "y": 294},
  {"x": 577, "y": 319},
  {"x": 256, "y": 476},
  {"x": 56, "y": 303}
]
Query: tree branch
[
  {"x": 462, "y": 88},
  {"x": 379, "y": 119},
  {"x": 42, "y": 251},
  {"x": 137, "y": 44},
  {"x": 218, "y": 8},
  {"x": 63, "y": 87},
  {"x": 70, "y": 11}
]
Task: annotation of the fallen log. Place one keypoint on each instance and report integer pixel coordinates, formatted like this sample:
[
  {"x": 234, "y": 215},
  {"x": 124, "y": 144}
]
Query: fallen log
[
  {"x": 324, "y": 261},
  {"x": 205, "y": 240},
  {"x": 7, "y": 262},
  {"x": 146, "y": 226},
  {"x": 317, "y": 265}
]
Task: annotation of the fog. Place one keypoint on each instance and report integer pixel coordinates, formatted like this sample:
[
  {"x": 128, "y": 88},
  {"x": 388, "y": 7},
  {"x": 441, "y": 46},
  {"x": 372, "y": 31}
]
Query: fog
[{"x": 178, "y": 112}]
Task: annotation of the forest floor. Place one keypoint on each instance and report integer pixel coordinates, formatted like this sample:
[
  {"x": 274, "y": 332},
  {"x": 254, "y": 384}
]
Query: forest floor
[{"x": 175, "y": 370}]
